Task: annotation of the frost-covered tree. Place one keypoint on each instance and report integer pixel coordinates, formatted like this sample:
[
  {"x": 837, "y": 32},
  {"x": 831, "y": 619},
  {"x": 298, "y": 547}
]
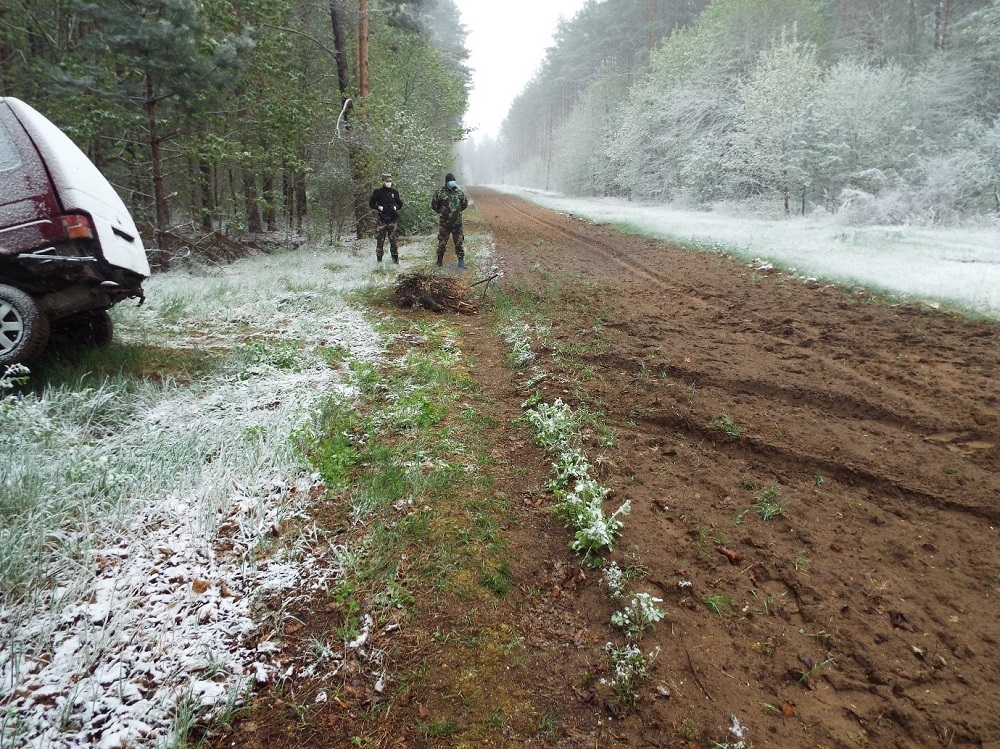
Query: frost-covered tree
[
  {"x": 580, "y": 164},
  {"x": 964, "y": 180},
  {"x": 673, "y": 127},
  {"x": 774, "y": 106},
  {"x": 861, "y": 134}
]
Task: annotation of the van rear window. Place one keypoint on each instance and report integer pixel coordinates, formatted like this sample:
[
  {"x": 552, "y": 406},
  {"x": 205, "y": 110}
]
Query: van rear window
[{"x": 9, "y": 157}]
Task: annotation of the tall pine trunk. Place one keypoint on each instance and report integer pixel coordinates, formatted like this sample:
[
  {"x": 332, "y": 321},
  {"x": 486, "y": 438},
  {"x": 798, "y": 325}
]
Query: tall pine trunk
[
  {"x": 252, "y": 207},
  {"x": 270, "y": 210},
  {"x": 205, "y": 182},
  {"x": 159, "y": 196},
  {"x": 354, "y": 153}
]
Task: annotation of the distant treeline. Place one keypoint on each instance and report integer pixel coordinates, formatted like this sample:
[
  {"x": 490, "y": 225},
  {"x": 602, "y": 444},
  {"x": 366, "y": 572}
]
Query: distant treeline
[{"x": 888, "y": 111}]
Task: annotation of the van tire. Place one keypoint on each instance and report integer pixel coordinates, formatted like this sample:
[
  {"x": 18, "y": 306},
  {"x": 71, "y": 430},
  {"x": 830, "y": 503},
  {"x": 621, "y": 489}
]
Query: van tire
[
  {"x": 24, "y": 329},
  {"x": 91, "y": 328}
]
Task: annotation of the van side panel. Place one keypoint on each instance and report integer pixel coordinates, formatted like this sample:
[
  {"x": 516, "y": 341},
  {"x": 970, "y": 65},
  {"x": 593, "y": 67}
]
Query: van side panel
[{"x": 80, "y": 186}]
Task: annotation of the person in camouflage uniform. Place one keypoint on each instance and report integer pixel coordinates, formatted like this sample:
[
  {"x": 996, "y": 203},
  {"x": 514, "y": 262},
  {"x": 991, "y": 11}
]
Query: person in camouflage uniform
[
  {"x": 448, "y": 203},
  {"x": 387, "y": 202}
]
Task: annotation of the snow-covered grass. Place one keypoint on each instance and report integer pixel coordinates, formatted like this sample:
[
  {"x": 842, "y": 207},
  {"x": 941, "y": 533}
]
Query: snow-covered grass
[
  {"x": 953, "y": 266},
  {"x": 139, "y": 516}
]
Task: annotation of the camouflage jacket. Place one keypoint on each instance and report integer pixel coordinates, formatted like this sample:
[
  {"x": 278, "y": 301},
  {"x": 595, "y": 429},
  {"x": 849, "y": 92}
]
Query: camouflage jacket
[{"x": 448, "y": 204}]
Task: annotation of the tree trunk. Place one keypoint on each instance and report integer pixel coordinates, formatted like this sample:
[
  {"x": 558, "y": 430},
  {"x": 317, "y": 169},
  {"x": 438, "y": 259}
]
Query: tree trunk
[
  {"x": 301, "y": 206},
  {"x": 270, "y": 210},
  {"x": 340, "y": 48},
  {"x": 287, "y": 196},
  {"x": 205, "y": 181},
  {"x": 254, "y": 225},
  {"x": 363, "y": 51},
  {"x": 162, "y": 210},
  {"x": 942, "y": 18},
  {"x": 912, "y": 29},
  {"x": 232, "y": 193},
  {"x": 193, "y": 193},
  {"x": 354, "y": 154}
]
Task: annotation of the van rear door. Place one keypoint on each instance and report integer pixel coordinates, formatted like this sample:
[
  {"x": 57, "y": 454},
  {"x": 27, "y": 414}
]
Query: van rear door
[
  {"x": 27, "y": 200},
  {"x": 80, "y": 186}
]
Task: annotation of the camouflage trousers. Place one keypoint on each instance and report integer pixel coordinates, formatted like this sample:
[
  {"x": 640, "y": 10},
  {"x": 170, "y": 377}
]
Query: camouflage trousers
[
  {"x": 457, "y": 234},
  {"x": 383, "y": 231}
]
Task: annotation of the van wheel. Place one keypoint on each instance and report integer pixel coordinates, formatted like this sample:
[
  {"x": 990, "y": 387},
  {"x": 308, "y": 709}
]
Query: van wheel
[
  {"x": 24, "y": 330},
  {"x": 91, "y": 328}
]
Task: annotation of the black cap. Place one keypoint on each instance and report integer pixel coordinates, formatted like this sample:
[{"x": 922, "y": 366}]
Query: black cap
[{"x": 448, "y": 177}]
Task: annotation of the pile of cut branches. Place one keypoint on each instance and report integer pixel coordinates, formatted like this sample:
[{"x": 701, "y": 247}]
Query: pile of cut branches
[
  {"x": 433, "y": 291},
  {"x": 186, "y": 244}
]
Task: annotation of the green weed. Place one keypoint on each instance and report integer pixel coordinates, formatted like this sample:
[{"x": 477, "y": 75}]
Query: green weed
[
  {"x": 726, "y": 425},
  {"x": 497, "y": 578},
  {"x": 768, "y": 505},
  {"x": 718, "y": 604}
]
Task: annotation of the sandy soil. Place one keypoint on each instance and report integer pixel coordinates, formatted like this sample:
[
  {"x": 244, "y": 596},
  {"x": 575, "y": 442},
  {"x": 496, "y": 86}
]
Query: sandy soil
[{"x": 862, "y": 615}]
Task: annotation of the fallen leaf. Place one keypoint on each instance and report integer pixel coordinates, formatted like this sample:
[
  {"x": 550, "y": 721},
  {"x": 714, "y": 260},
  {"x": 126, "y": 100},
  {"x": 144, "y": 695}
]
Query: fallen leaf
[
  {"x": 200, "y": 586},
  {"x": 787, "y": 710}
]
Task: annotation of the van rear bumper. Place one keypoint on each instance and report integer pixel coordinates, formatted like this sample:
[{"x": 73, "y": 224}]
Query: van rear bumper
[{"x": 55, "y": 268}]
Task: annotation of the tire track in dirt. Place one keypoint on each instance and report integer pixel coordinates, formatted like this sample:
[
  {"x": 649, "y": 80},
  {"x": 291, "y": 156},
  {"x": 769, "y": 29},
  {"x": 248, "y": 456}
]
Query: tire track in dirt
[
  {"x": 519, "y": 207},
  {"x": 895, "y": 412},
  {"x": 777, "y": 332},
  {"x": 753, "y": 449}
]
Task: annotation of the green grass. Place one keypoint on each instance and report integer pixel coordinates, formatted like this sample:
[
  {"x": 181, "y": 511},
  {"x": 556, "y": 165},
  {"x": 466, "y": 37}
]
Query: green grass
[
  {"x": 439, "y": 728},
  {"x": 497, "y": 577},
  {"x": 768, "y": 505},
  {"x": 726, "y": 425},
  {"x": 718, "y": 604},
  {"x": 122, "y": 363}
]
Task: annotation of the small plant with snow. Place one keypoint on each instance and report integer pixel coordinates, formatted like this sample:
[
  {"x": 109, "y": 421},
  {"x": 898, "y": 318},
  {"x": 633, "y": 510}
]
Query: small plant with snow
[
  {"x": 557, "y": 429},
  {"x": 519, "y": 351},
  {"x": 555, "y": 425},
  {"x": 595, "y": 531},
  {"x": 613, "y": 579},
  {"x": 13, "y": 375},
  {"x": 571, "y": 464},
  {"x": 629, "y": 668},
  {"x": 641, "y": 614}
]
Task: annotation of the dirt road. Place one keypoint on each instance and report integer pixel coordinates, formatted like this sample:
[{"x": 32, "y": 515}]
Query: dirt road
[{"x": 863, "y": 613}]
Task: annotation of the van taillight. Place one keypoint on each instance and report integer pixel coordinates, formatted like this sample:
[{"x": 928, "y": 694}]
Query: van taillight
[{"x": 77, "y": 226}]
